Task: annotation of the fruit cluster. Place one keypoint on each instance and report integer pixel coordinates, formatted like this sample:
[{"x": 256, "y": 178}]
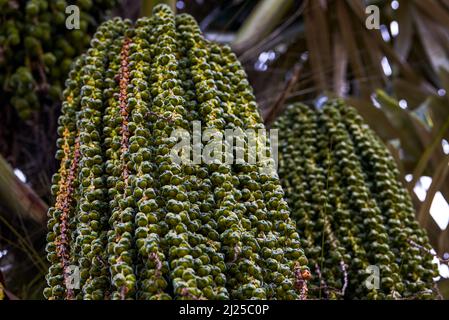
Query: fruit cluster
[
  {"x": 37, "y": 48},
  {"x": 133, "y": 222},
  {"x": 355, "y": 218}
]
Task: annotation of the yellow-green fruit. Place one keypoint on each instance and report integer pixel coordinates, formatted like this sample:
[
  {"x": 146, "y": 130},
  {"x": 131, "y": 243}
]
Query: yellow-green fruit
[
  {"x": 355, "y": 218},
  {"x": 37, "y": 49},
  {"x": 136, "y": 223},
  {"x": 2, "y": 292}
]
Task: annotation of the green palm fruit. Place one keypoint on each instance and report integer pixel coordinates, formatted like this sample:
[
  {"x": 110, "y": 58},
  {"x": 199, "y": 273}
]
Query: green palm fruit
[
  {"x": 231, "y": 233},
  {"x": 140, "y": 225},
  {"x": 2, "y": 292},
  {"x": 263, "y": 204},
  {"x": 351, "y": 210},
  {"x": 37, "y": 49}
]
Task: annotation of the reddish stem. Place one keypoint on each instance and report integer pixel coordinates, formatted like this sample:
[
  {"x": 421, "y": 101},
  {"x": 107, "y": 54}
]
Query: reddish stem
[{"x": 63, "y": 203}]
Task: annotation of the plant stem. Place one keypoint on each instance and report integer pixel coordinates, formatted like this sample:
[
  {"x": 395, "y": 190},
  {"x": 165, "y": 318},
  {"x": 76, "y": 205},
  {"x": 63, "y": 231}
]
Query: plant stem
[
  {"x": 18, "y": 197},
  {"x": 263, "y": 19}
]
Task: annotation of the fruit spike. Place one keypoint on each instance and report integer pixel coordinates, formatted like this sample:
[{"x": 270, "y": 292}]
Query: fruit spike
[
  {"x": 143, "y": 226},
  {"x": 353, "y": 213},
  {"x": 37, "y": 49}
]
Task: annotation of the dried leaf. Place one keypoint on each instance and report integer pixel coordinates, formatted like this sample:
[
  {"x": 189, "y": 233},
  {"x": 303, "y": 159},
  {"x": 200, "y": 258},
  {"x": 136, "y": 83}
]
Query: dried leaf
[
  {"x": 404, "y": 39},
  {"x": 412, "y": 93},
  {"x": 432, "y": 46},
  {"x": 349, "y": 40},
  {"x": 18, "y": 197},
  {"x": 340, "y": 64},
  {"x": 313, "y": 28},
  {"x": 413, "y": 137},
  {"x": 434, "y": 11},
  {"x": 263, "y": 19},
  {"x": 438, "y": 179}
]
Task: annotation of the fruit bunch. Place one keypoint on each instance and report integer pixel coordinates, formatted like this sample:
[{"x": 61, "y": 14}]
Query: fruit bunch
[
  {"x": 37, "y": 48},
  {"x": 356, "y": 221},
  {"x": 134, "y": 223}
]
